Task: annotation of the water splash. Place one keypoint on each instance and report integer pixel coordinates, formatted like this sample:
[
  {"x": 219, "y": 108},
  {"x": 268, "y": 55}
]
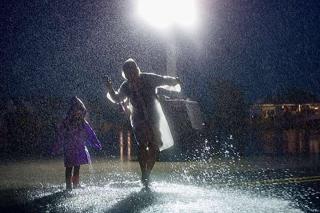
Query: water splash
[{"x": 166, "y": 197}]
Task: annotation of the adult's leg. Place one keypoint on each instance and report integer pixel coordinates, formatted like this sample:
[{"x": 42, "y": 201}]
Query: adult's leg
[
  {"x": 152, "y": 155},
  {"x": 147, "y": 158},
  {"x": 68, "y": 178},
  {"x": 148, "y": 152},
  {"x": 75, "y": 177},
  {"x": 143, "y": 158},
  {"x": 139, "y": 133}
]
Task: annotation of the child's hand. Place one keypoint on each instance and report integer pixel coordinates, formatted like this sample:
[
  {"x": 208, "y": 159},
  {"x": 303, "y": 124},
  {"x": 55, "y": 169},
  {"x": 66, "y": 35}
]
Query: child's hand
[
  {"x": 99, "y": 147},
  {"x": 179, "y": 80},
  {"x": 52, "y": 154}
]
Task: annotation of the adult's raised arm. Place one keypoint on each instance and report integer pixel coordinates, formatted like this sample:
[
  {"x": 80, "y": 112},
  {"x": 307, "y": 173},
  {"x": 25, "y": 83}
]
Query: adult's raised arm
[{"x": 112, "y": 95}]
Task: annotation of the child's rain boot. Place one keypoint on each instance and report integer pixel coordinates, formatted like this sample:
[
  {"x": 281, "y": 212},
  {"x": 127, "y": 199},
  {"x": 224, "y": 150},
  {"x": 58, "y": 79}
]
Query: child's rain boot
[
  {"x": 68, "y": 184},
  {"x": 75, "y": 181}
]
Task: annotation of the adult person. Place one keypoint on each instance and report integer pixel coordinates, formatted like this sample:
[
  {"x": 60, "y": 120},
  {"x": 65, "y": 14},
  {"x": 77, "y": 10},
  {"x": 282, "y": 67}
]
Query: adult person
[{"x": 138, "y": 93}]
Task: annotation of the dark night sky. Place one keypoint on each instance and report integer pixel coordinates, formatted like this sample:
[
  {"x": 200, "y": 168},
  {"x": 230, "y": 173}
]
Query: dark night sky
[{"x": 63, "y": 48}]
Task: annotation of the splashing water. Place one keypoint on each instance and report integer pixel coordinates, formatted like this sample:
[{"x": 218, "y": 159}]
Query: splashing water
[
  {"x": 214, "y": 183},
  {"x": 165, "y": 197}
]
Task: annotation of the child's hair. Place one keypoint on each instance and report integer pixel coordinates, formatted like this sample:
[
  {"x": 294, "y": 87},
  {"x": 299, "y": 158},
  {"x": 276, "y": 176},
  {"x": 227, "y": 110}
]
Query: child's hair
[{"x": 71, "y": 120}]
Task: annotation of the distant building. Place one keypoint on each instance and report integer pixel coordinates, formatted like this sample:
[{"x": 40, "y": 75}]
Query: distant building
[
  {"x": 269, "y": 110},
  {"x": 286, "y": 128}
]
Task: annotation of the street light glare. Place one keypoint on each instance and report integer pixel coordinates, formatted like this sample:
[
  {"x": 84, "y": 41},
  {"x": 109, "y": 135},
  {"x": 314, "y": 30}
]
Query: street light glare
[{"x": 165, "y": 13}]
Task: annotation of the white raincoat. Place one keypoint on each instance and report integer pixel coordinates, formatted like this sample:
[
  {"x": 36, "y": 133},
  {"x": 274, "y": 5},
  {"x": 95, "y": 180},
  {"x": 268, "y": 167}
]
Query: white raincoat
[{"x": 145, "y": 108}]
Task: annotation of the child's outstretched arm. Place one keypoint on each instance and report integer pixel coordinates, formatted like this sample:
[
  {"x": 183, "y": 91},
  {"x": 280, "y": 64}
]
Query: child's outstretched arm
[{"x": 92, "y": 139}]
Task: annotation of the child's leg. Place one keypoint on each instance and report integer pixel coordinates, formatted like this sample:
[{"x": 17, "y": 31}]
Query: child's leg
[
  {"x": 75, "y": 178},
  {"x": 68, "y": 177}
]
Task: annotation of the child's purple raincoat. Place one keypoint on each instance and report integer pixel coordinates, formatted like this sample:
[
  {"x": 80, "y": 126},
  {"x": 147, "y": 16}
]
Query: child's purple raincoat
[{"x": 74, "y": 143}]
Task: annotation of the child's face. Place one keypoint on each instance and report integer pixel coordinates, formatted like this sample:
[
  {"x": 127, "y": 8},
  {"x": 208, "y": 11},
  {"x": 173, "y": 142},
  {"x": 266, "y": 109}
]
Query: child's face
[{"x": 78, "y": 114}]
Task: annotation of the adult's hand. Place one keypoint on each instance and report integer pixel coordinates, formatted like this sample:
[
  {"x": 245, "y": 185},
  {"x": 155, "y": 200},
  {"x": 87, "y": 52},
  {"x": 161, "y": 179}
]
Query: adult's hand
[{"x": 108, "y": 82}]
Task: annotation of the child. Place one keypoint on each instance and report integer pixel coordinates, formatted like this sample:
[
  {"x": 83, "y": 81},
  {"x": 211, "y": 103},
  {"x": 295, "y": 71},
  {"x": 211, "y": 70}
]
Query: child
[{"x": 74, "y": 133}]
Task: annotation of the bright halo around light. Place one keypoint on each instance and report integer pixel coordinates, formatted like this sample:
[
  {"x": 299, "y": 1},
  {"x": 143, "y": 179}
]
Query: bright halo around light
[{"x": 166, "y": 13}]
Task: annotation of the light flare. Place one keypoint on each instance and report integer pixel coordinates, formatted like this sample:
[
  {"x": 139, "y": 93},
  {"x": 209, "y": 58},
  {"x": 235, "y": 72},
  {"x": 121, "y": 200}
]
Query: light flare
[{"x": 165, "y": 13}]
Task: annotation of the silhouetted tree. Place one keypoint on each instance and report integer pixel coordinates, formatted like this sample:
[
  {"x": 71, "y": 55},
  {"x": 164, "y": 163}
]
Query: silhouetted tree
[
  {"x": 229, "y": 111},
  {"x": 293, "y": 95}
]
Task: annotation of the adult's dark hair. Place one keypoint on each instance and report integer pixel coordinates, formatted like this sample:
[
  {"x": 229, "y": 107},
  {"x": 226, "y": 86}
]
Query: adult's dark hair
[{"x": 129, "y": 66}]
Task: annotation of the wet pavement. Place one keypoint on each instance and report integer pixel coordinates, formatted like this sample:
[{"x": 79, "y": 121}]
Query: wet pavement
[{"x": 113, "y": 186}]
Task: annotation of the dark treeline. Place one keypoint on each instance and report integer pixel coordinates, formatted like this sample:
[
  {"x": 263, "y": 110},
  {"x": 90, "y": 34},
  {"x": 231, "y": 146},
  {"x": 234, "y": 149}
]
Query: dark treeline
[{"x": 28, "y": 125}]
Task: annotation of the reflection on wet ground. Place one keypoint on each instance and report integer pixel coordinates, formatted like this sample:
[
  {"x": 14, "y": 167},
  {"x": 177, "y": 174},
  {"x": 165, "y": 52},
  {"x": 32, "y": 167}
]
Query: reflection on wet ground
[{"x": 112, "y": 186}]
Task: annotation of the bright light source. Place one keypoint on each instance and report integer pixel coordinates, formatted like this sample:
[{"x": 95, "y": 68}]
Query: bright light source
[{"x": 165, "y": 13}]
